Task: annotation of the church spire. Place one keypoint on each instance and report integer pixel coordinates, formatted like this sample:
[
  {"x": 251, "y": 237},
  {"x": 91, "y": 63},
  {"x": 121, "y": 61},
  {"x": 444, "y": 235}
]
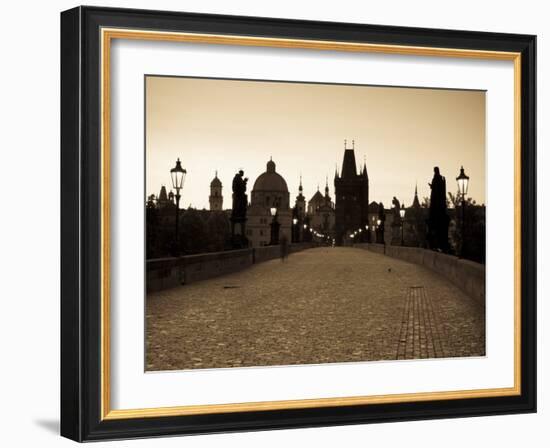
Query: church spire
[
  {"x": 326, "y": 186},
  {"x": 364, "y": 169},
  {"x": 416, "y": 202},
  {"x": 300, "y": 204}
]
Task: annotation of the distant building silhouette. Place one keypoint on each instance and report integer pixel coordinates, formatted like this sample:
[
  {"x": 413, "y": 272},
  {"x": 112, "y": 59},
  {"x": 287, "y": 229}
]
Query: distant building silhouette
[
  {"x": 299, "y": 212},
  {"x": 352, "y": 198},
  {"x": 216, "y": 198},
  {"x": 164, "y": 200},
  {"x": 321, "y": 213},
  {"x": 200, "y": 231},
  {"x": 270, "y": 190},
  {"x": 300, "y": 203},
  {"x": 415, "y": 223}
]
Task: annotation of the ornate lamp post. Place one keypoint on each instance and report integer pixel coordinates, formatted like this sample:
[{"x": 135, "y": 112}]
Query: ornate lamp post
[
  {"x": 402, "y": 215},
  {"x": 462, "y": 180},
  {"x": 178, "y": 177},
  {"x": 274, "y": 227},
  {"x": 378, "y": 233}
]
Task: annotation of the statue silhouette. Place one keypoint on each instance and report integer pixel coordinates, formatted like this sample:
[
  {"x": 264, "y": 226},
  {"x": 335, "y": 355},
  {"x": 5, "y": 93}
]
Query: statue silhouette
[
  {"x": 238, "y": 212},
  {"x": 240, "y": 199},
  {"x": 396, "y": 207},
  {"x": 438, "y": 220}
]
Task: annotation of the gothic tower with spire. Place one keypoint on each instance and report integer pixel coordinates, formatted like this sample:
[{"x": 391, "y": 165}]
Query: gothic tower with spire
[
  {"x": 352, "y": 198},
  {"x": 300, "y": 202},
  {"x": 216, "y": 198},
  {"x": 415, "y": 223}
]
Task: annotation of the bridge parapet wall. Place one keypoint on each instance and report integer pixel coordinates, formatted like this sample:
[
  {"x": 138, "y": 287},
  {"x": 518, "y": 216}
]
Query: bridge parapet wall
[
  {"x": 467, "y": 275},
  {"x": 164, "y": 273}
]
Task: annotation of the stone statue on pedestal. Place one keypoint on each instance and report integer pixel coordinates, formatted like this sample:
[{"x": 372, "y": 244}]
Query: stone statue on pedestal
[
  {"x": 396, "y": 222},
  {"x": 396, "y": 207},
  {"x": 438, "y": 219},
  {"x": 238, "y": 212}
]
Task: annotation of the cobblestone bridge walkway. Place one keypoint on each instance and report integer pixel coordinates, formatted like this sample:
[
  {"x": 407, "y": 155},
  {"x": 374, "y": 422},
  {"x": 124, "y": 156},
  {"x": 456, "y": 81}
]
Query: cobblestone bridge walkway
[{"x": 321, "y": 305}]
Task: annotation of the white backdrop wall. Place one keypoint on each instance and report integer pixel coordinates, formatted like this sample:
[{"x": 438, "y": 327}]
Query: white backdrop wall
[{"x": 29, "y": 228}]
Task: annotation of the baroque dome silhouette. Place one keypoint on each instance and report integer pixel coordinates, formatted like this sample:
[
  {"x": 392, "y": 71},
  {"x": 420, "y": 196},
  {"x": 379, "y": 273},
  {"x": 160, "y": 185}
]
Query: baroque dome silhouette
[{"x": 270, "y": 180}]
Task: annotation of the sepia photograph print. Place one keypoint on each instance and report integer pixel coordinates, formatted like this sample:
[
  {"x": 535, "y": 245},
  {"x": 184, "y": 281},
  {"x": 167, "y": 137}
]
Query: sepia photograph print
[{"x": 291, "y": 223}]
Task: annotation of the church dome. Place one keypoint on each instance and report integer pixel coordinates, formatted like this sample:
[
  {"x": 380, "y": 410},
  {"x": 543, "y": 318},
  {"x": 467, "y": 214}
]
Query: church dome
[{"x": 270, "y": 180}]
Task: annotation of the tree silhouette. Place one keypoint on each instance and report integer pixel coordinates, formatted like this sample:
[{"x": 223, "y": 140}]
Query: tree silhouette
[{"x": 473, "y": 240}]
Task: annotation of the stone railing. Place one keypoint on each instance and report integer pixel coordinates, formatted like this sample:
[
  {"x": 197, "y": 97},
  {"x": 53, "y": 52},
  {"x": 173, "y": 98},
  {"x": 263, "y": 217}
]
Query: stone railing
[
  {"x": 467, "y": 275},
  {"x": 163, "y": 273}
]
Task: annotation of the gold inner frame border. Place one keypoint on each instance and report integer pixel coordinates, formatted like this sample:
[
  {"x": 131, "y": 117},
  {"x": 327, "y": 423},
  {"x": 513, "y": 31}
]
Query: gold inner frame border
[{"x": 107, "y": 35}]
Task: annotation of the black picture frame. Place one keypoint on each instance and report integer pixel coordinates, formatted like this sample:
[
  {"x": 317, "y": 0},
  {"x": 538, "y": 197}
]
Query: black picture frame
[{"x": 81, "y": 224}]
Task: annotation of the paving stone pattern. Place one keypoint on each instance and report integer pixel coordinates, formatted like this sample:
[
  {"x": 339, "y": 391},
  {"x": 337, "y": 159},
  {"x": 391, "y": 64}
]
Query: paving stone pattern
[{"x": 321, "y": 305}]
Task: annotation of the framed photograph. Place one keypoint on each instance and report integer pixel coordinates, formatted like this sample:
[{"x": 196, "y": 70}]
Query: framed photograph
[{"x": 273, "y": 223}]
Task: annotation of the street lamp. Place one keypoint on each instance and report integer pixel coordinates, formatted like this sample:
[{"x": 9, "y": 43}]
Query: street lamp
[
  {"x": 178, "y": 177},
  {"x": 462, "y": 180},
  {"x": 274, "y": 227},
  {"x": 402, "y": 215}
]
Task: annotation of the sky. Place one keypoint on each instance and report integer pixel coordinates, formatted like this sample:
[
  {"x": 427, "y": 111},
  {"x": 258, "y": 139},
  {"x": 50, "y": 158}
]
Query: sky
[{"x": 226, "y": 125}]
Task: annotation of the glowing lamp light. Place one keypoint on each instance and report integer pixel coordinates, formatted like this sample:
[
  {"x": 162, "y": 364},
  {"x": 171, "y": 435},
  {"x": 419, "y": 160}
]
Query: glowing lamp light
[{"x": 462, "y": 180}]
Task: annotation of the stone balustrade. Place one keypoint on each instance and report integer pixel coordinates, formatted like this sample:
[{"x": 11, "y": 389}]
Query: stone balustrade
[
  {"x": 163, "y": 273},
  {"x": 467, "y": 275}
]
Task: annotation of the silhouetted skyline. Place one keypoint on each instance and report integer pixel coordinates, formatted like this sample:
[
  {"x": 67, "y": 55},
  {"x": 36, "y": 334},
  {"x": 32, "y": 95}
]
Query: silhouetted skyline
[{"x": 226, "y": 125}]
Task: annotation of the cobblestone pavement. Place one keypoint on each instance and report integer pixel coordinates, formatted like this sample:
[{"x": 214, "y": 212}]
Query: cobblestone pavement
[{"x": 321, "y": 305}]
